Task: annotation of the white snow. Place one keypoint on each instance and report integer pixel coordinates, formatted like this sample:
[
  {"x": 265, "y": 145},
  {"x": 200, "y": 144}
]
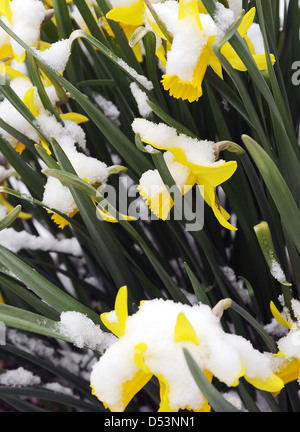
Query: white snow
[
  {"x": 151, "y": 182},
  {"x": 18, "y": 240},
  {"x": 223, "y": 17},
  {"x": 139, "y": 78},
  {"x": 165, "y": 137},
  {"x": 140, "y": 98},
  {"x": 108, "y": 108},
  {"x": 57, "y": 55},
  {"x": 83, "y": 332},
  {"x": 19, "y": 378},
  {"x": 236, "y": 6},
  {"x": 277, "y": 271},
  {"x": 27, "y": 17}
]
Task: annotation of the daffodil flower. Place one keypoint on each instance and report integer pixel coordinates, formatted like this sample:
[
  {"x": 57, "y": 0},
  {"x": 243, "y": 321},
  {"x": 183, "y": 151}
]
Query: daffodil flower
[
  {"x": 193, "y": 162},
  {"x": 151, "y": 344},
  {"x": 286, "y": 363},
  {"x": 191, "y": 51},
  {"x": 25, "y": 18}
]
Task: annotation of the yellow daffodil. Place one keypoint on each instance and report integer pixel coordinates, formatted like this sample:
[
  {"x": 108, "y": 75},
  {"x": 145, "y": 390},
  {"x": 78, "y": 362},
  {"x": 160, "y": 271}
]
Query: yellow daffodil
[
  {"x": 287, "y": 360},
  {"x": 194, "y": 162},
  {"x": 185, "y": 69},
  {"x": 151, "y": 344}
]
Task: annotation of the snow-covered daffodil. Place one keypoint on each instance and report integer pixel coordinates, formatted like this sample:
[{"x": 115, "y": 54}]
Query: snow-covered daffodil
[
  {"x": 186, "y": 68},
  {"x": 287, "y": 360},
  {"x": 151, "y": 343},
  {"x": 193, "y": 162}
]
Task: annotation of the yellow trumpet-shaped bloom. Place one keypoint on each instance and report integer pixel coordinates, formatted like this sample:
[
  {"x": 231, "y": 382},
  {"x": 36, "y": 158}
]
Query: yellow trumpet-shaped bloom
[
  {"x": 190, "y": 25},
  {"x": 151, "y": 343},
  {"x": 193, "y": 162}
]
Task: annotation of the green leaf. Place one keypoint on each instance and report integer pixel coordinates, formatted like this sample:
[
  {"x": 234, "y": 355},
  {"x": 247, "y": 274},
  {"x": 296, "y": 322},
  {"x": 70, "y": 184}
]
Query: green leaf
[
  {"x": 48, "y": 292},
  {"x": 29, "y": 321},
  {"x": 280, "y": 193},
  {"x": 33, "y": 180},
  {"x": 9, "y": 283},
  {"x": 213, "y": 396},
  {"x": 10, "y": 218},
  {"x": 264, "y": 238},
  {"x": 269, "y": 342},
  {"x": 74, "y": 180}
]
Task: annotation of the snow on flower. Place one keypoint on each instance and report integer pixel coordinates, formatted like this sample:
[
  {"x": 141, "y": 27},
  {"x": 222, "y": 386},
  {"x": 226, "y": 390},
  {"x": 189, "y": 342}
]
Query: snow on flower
[
  {"x": 286, "y": 362},
  {"x": 193, "y": 162},
  {"x": 83, "y": 332},
  {"x": 25, "y": 18},
  {"x": 151, "y": 343},
  {"x": 187, "y": 22}
]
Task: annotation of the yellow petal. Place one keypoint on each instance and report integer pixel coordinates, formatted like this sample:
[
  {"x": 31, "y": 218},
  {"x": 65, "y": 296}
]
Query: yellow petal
[
  {"x": 1, "y": 299},
  {"x": 164, "y": 390},
  {"x": 29, "y": 101},
  {"x": 132, "y": 387},
  {"x": 160, "y": 204},
  {"x": 247, "y": 21},
  {"x": 74, "y": 117},
  {"x": 236, "y": 62},
  {"x": 216, "y": 65},
  {"x": 5, "y": 203},
  {"x": 241, "y": 374},
  {"x": 189, "y": 9},
  {"x": 210, "y": 197},
  {"x": 13, "y": 73},
  {"x": 181, "y": 89},
  {"x": 60, "y": 220},
  {"x": 5, "y": 9},
  {"x": 213, "y": 175},
  {"x": 201, "y": 7},
  {"x": 289, "y": 370},
  {"x": 273, "y": 384},
  {"x": 20, "y": 59},
  {"x": 107, "y": 217},
  {"x": 6, "y": 52},
  {"x": 184, "y": 331},
  {"x": 20, "y": 147},
  {"x": 279, "y": 318},
  {"x": 45, "y": 145},
  {"x": 44, "y": 45},
  {"x": 132, "y": 15},
  {"x": 160, "y": 53},
  {"x": 121, "y": 309},
  {"x": 250, "y": 44},
  {"x": 138, "y": 358},
  {"x": 188, "y": 90},
  {"x": 261, "y": 61}
]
